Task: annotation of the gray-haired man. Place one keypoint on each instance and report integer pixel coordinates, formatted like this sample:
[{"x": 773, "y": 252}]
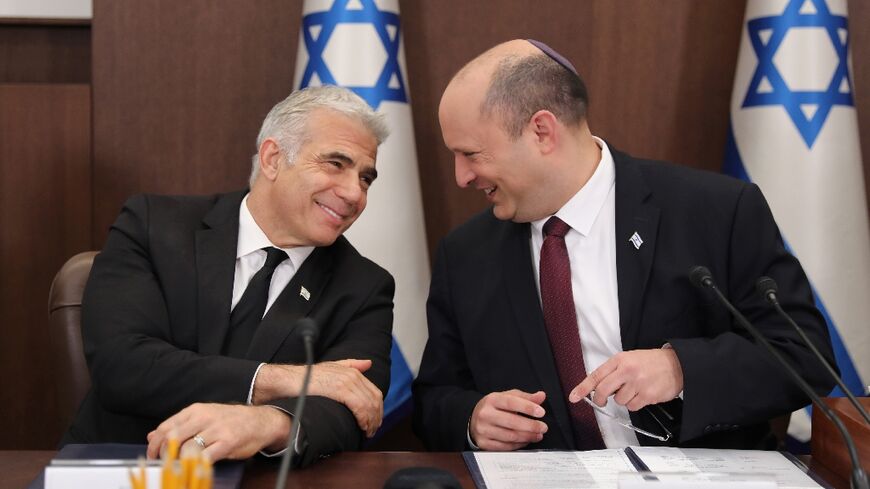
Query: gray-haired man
[{"x": 189, "y": 310}]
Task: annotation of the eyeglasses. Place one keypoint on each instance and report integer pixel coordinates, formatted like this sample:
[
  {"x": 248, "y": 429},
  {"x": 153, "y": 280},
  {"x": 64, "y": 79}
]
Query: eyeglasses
[{"x": 625, "y": 424}]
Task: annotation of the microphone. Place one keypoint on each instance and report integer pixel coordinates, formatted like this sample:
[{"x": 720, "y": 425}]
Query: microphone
[
  {"x": 701, "y": 277},
  {"x": 767, "y": 287},
  {"x": 306, "y": 328}
]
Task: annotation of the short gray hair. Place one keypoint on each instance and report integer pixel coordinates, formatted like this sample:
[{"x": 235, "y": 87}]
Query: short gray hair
[
  {"x": 521, "y": 86},
  {"x": 287, "y": 121}
]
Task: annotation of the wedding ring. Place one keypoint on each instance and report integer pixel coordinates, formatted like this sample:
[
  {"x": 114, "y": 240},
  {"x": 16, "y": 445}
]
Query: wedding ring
[{"x": 199, "y": 440}]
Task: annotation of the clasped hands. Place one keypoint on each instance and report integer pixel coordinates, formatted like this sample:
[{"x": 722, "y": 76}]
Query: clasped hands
[
  {"x": 237, "y": 431},
  {"x": 510, "y": 420}
]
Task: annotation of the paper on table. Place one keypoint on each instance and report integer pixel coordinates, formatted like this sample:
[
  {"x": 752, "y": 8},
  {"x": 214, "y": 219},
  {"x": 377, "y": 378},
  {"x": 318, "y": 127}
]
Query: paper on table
[
  {"x": 96, "y": 476},
  {"x": 552, "y": 470},
  {"x": 666, "y": 459}
]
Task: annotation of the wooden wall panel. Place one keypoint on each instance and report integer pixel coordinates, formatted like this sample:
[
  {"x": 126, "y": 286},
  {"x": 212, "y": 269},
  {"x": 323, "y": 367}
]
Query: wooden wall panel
[
  {"x": 180, "y": 90},
  {"x": 45, "y": 53},
  {"x": 859, "y": 29},
  {"x": 45, "y": 217}
]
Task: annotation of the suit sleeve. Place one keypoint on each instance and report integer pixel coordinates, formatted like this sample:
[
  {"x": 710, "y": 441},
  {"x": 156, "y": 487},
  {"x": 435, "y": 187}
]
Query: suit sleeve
[
  {"x": 129, "y": 341},
  {"x": 730, "y": 381},
  {"x": 329, "y": 426},
  {"x": 444, "y": 392}
]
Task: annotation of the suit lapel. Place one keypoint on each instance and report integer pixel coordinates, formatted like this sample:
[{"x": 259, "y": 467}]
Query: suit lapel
[
  {"x": 520, "y": 284},
  {"x": 292, "y": 304},
  {"x": 215, "y": 268},
  {"x": 634, "y": 215}
]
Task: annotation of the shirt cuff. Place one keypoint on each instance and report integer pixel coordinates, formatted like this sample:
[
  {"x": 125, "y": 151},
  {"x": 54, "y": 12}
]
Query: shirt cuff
[
  {"x": 468, "y": 437},
  {"x": 295, "y": 442},
  {"x": 253, "y": 381},
  {"x": 667, "y": 346}
]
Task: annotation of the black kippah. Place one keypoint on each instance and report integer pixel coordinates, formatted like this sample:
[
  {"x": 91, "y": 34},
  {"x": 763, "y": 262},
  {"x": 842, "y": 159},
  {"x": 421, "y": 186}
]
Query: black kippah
[{"x": 554, "y": 55}]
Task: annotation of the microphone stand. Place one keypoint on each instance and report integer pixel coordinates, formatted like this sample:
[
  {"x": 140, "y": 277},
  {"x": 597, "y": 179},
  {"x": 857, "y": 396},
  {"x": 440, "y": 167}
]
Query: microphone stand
[
  {"x": 768, "y": 288},
  {"x": 702, "y": 278},
  {"x": 309, "y": 332}
]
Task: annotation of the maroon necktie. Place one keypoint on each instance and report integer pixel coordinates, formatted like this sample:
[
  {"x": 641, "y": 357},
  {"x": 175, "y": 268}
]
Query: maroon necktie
[{"x": 557, "y": 299}]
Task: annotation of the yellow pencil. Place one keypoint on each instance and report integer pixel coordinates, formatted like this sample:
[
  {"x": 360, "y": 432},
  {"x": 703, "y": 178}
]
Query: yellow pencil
[
  {"x": 173, "y": 445},
  {"x": 143, "y": 477},
  {"x": 189, "y": 459},
  {"x": 208, "y": 478},
  {"x": 134, "y": 484},
  {"x": 196, "y": 477}
]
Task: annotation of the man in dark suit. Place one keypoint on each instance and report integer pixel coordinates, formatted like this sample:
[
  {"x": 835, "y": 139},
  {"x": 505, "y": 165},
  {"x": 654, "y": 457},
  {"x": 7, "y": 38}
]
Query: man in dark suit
[
  {"x": 189, "y": 312},
  {"x": 575, "y": 282}
]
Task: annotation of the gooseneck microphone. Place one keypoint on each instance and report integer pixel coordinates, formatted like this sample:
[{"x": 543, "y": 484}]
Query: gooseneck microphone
[
  {"x": 307, "y": 328},
  {"x": 701, "y": 277},
  {"x": 767, "y": 287}
]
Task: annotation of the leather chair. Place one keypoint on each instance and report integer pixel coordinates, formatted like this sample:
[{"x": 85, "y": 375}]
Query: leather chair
[{"x": 64, "y": 318}]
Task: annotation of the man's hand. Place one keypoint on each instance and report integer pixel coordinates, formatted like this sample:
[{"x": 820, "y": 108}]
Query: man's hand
[
  {"x": 228, "y": 430},
  {"x": 634, "y": 378},
  {"x": 344, "y": 382},
  {"x": 340, "y": 381},
  {"x": 500, "y": 421}
]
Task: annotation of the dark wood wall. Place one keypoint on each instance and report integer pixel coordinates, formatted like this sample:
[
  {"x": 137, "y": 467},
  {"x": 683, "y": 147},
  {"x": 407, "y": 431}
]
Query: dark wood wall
[
  {"x": 179, "y": 90},
  {"x": 45, "y": 208},
  {"x": 181, "y": 87}
]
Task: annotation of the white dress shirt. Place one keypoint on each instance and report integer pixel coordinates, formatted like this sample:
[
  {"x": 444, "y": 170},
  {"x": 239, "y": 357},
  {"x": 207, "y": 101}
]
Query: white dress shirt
[
  {"x": 250, "y": 258},
  {"x": 591, "y": 244}
]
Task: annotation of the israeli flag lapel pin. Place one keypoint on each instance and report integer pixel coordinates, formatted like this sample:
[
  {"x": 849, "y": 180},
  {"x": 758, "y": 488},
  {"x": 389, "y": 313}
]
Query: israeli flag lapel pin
[
  {"x": 304, "y": 293},
  {"x": 636, "y": 240}
]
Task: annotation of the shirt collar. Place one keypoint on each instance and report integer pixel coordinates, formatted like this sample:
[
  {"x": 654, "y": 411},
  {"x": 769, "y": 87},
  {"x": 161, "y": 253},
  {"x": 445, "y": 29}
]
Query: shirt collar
[
  {"x": 252, "y": 238},
  {"x": 581, "y": 210}
]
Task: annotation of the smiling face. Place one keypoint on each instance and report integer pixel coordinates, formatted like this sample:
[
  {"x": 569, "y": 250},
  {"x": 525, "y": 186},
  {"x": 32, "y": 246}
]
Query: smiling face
[
  {"x": 315, "y": 198},
  {"x": 508, "y": 171}
]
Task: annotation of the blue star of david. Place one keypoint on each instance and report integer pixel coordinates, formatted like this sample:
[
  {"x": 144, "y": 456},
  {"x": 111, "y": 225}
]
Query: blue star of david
[
  {"x": 368, "y": 14},
  {"x": 779, "y": 93}
]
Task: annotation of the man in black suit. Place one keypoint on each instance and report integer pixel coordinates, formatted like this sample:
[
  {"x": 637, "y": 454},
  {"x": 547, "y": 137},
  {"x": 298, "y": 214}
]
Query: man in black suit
[
  {"x": 575, "y": 282},
  {"x": 176, "y": 337}
]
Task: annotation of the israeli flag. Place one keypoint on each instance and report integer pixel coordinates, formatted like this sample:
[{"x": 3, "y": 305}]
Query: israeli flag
[
  {"x": 794, "y": 132},
  {"x": 357, "y": 44}
]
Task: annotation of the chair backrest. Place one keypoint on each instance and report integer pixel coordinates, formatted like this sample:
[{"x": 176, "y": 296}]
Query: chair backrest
[{"x": 65, "y": 338}]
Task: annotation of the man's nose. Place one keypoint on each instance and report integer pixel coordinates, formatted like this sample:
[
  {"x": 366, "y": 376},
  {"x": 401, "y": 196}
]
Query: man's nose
[
  {"x": 350, "y": 189},
  {"x": 464, "y": 175}
]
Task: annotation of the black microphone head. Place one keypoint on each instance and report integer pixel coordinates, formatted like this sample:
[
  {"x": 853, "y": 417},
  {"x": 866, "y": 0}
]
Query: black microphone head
[
  {"x": 766, "y": 286},
  {"x": 422, "y": 478},
  {"x": 700, "y": 276},
  {"x": 307, "y": 328}
]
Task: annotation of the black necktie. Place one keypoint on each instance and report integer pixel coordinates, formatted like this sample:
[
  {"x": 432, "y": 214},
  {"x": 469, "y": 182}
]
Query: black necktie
[{"x": 248, "y": 313}]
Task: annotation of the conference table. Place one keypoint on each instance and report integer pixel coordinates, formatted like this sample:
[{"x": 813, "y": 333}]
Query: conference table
[{"x": 359, "y": 470}]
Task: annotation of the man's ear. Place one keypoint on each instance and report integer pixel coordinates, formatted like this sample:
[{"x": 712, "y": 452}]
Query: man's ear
[
  {"x": 270, "y": 157},
  {"x": 543, "y": 125}
]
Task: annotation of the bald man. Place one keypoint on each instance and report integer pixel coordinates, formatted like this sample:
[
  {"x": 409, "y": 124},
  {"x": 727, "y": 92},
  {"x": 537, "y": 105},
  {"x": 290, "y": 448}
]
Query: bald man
[{"x": 563, "y": 317}]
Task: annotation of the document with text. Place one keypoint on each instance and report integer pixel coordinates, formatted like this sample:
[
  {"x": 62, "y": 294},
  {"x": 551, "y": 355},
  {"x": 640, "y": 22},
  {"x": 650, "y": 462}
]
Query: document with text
[{"x": 601, "y": 468}]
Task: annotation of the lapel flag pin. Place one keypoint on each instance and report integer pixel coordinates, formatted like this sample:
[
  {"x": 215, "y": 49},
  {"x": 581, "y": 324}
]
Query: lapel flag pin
[
  {"x": 304, "y": 293},
  {"x": 635, "y": 240}
]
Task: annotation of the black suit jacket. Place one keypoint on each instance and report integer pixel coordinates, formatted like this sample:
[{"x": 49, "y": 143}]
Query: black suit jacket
[
  {"x": 156, "y": 312},
  {"x": 487, "y": 332}
]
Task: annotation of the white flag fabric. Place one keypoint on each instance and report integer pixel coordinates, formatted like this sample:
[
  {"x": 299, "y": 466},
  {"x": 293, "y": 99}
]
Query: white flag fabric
[
  {"x": 357, "y": 44},
  {"x": 794, "y": 132}
]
